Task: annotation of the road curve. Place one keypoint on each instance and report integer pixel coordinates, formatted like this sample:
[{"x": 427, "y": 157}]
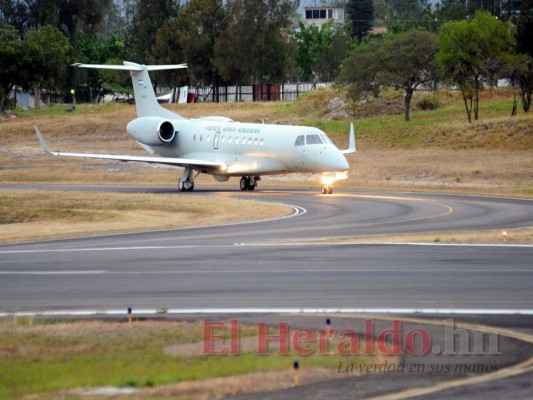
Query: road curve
[{"x": 239, "y": 266}]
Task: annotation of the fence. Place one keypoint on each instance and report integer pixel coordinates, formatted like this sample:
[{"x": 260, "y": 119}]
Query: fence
[{"x": 267, "y": 92}]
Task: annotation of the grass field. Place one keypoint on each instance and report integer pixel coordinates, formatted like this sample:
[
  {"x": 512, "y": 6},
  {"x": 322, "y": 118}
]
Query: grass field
[
  {"x": 33, "y": 214},
  {"x": 53, "y": 359}
]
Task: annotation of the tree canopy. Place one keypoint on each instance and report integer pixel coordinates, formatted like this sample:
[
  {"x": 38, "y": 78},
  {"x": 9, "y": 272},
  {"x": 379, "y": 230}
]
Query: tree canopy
[
  {"x": 473, "y": 51},
  {"x": 403, "y": 61}
]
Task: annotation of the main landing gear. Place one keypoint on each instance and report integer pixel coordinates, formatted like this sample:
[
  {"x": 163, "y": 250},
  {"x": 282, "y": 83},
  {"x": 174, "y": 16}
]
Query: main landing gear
[
  {"x": 249, "y": 182},
  {"x": 327, "y": 189},
  {"x": 186, "y": 182}
]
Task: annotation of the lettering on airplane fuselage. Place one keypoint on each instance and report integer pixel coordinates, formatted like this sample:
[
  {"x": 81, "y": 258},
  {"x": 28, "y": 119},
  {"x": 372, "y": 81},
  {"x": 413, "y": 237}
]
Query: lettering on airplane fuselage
[{"x": 233, "y": 129}]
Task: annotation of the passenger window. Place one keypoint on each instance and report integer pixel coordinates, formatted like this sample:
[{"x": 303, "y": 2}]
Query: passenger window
[
  {"x": 300, "y": 141},
  {"x": 194, "y": 138},
  {"x": 313, "y": 139},
  {"x": 201, "y": 137}
]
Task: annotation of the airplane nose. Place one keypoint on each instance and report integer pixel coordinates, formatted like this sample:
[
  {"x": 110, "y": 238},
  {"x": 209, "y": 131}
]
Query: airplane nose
[{"x": 340, "y": 163}]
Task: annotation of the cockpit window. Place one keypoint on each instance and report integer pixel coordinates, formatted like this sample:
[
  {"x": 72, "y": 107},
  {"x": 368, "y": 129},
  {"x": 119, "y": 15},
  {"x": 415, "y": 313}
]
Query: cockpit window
[
  {"x": 313, "y": 139},
  {"x": 300, "y": 141},
  {"x": 326, "y": 139}
]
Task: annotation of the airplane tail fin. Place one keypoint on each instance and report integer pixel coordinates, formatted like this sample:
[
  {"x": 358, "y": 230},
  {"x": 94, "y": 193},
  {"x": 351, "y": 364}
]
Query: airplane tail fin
[{"x": 145, "y": 100}]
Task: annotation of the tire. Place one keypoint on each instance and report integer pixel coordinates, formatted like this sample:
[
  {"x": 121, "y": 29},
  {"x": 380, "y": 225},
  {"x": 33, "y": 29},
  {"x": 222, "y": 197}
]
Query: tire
[{"x": 245, "y": 183}]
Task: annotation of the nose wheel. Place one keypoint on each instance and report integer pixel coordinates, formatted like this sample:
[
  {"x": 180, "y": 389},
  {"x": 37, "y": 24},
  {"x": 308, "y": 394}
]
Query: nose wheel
[{"x": 327, "y": 189}]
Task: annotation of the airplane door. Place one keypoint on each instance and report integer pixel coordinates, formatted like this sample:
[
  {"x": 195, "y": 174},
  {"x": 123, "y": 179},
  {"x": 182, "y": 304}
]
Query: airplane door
[{"x": 215, "y": 140}]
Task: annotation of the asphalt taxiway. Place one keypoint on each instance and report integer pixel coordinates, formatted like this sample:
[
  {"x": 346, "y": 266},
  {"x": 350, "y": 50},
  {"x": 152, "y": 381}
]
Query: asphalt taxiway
[
  {"x": 261, "y": 265},
  {"x": 277, "y": 266}
]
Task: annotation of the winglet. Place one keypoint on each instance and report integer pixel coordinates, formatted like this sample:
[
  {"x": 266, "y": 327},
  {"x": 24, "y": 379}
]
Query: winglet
[
  {"x": 351, "y": 143},
  {"x": 43, "y": 143}
]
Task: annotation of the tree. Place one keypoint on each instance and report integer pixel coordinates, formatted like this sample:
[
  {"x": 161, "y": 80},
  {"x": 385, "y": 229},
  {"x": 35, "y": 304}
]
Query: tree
[
  {"x": 524, "y": 28},
  {"x": 361, "y": 15},
  {"x": 474, "y": 51},
  {"x": 10, "y": 52},
  {"x": 253, "y": 48},
  {"x": 321, "y": 51},
  {"x": 148, "y": 17},
  {"x": 403, "y": 61},
  {"x": 39, "y": 58},
  {"x": 96, "y": 83},
  {"x": 520, "y": 74},
  {"x": 47, "y": 60},
  {"x": 191, "y": 38}
]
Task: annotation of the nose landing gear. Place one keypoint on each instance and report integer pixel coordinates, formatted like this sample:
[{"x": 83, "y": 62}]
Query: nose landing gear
[{"x": 327, "y": 189}]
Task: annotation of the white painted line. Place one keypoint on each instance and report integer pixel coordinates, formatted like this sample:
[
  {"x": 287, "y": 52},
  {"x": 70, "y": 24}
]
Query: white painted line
[
  {"x": 265, "y": 310},
  {"x": 257, "y": 244},
  {"x": 88, "y": 272}
]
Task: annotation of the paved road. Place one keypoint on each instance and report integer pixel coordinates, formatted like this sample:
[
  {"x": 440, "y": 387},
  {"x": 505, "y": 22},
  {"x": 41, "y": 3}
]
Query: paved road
[
  {"x": 251, "y": 265},
  {"x": 254, "y": 266}
]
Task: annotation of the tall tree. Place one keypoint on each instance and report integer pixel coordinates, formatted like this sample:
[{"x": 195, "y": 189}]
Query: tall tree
[
  {"x": 10, "y": 55},
  {"x": 524, "y": 28},
  {"x": 321, "y": 51},
  {"x": 70, "y": 17},
  {"x": 520, "y": 73},
  {"x": 403, "y": 61},
  {"x": 47, "y": 61},
  {"x": 254, "y": 48},
  {"x": 148, "y": 17},
  {"x": 473, "y": 51},
  {"x": 191, "y": 38},
  {"x": 361, "y": 15},
  {"x": 40, "y": 58}
]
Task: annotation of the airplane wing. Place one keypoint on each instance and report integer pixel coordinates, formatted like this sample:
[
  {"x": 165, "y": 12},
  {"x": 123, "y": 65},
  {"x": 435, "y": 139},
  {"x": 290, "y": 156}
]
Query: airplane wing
[
  {"x": 178, "y": 162},
  {"x": 351, "y": 144}
]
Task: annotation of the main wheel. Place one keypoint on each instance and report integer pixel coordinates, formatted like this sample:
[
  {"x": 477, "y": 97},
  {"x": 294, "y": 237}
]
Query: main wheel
[
  {"x": 330, "y": 189},
  {"x": 181, "y": 186},
  {"x": 324, "y": 190},
  {"x": 190, "y": 188},
  {"x": 245, "y": 183}
]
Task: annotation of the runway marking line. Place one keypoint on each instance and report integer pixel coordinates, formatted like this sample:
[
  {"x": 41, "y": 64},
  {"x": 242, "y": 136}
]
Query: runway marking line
[{"x": 134, "y": 248}]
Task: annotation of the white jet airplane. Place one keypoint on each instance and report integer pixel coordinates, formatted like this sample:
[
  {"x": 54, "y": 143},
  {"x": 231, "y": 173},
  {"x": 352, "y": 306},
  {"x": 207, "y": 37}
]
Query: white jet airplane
[{"x": 219, "y": 146}]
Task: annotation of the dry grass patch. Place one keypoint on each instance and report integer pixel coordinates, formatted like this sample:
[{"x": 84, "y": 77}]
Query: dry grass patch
[
  {"x": 32, "y": 215},
  {"x": 437, "y": 151},
  {"x": 49, "y": 360}
]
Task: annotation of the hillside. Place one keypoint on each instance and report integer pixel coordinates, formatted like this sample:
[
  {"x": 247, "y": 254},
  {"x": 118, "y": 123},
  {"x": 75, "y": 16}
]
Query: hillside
[{"x": 437, "y": 151}]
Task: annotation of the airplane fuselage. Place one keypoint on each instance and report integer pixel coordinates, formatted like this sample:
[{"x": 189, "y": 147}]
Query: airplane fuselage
[{"x": 259, "y": 149}]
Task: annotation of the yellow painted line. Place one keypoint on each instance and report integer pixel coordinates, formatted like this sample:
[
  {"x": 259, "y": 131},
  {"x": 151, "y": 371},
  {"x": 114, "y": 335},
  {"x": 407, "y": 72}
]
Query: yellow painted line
[{"x": 518, "y": 369}]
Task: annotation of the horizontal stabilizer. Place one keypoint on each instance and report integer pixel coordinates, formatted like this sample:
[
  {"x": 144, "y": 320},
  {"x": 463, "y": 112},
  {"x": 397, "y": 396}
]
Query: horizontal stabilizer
[{"x": 131, "y": 66}]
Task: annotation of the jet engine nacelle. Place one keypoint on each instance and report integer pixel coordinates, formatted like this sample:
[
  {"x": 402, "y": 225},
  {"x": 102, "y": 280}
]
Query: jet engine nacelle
[{"x": 152, "y": 131}]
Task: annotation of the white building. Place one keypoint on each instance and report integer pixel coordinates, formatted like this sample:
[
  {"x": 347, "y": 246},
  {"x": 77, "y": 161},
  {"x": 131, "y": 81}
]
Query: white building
[{"x": 319, "y": 12}]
